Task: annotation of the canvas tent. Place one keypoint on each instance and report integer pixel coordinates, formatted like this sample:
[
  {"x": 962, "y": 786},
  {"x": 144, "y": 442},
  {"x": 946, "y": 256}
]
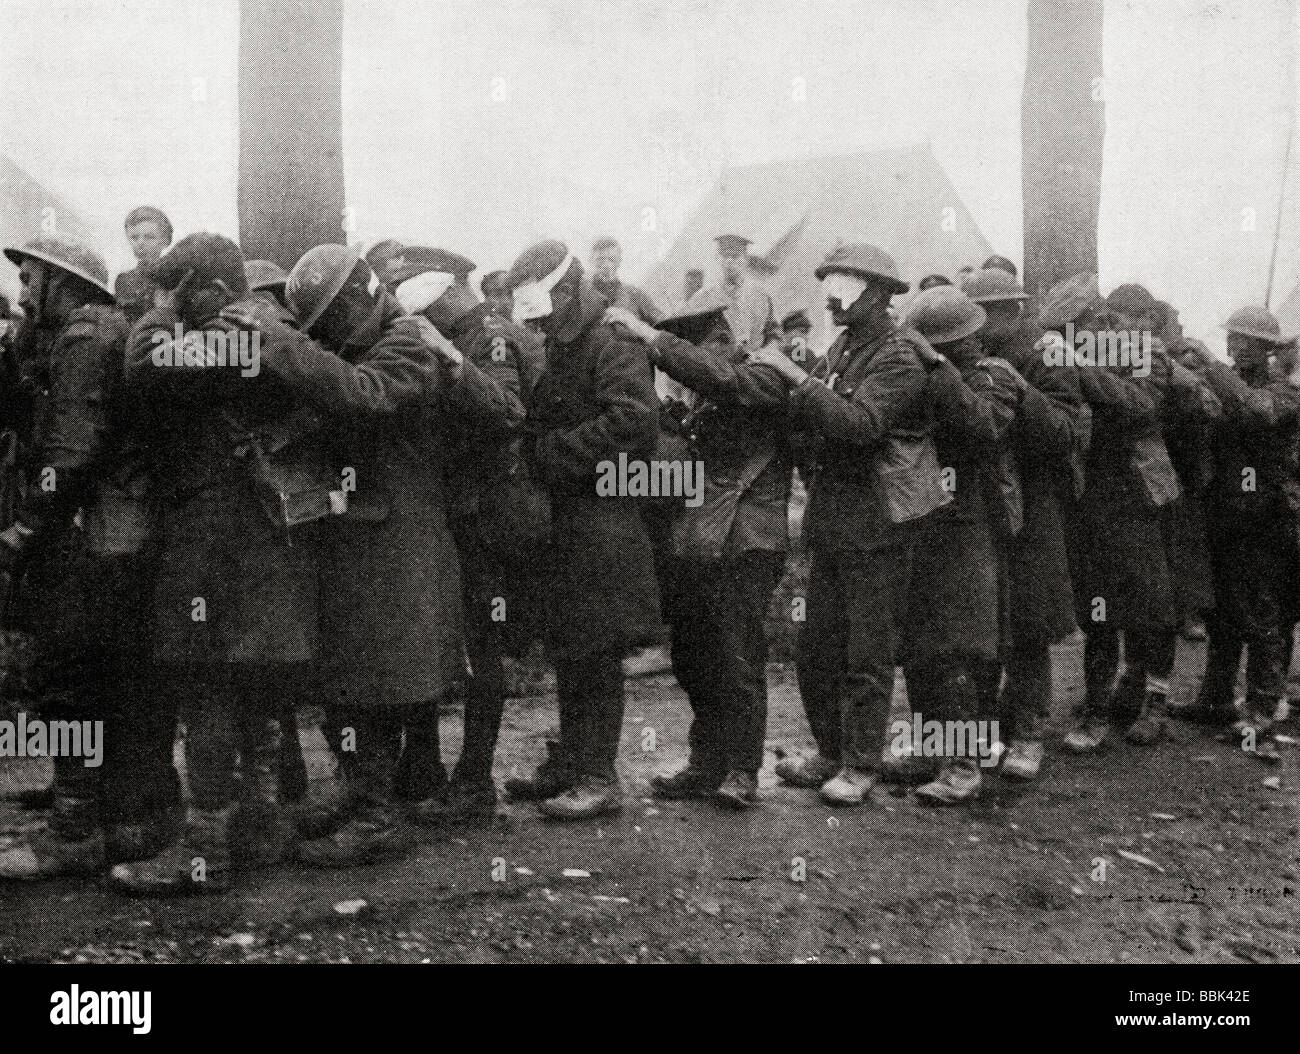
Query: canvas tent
[
  {"x": 798, "y": 211},
  {"x": 23, "y": 208},
  {"x": 1288, "y": 313}
]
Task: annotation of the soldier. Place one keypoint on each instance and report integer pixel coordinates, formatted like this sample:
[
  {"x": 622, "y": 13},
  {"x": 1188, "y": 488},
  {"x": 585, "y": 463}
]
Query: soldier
[
  {"x": 1121, "y": 572},
  {"x": 877, "y": 478},
  {"x": 717, "y": 600},
  {"x": 390, "y": 596},
  {"x": 1050, "y": 434},
  {"x": 379, "y": 255},
  {"x": 606, "y": 256},
  {"x": 749, "y": 308},
  {"x": 594, "y": 403},
  {"x": 497, "y": 295},
  {"x": 1187, "y": 434},
  {"x": 692, "y": 283},
  {"x": 150, "y": 232},
  {"x": 484, "y": 407},
  {"x": 81, "y": 545},
  {"x": 1250, "y": 524},
  {"x": 235, "y": 620},
  {"x": 952, "y": 636},
  {"x": 796, "y": 325}
]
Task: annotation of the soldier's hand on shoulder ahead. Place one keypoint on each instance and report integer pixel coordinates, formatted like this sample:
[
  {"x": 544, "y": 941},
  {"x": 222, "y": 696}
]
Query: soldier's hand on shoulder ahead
[
  {"x": 254, "y": 314},
  {"x": 447, "y": 352},
  {"x": 628, "y": 320},
  {"x": 772, "y": 354}
]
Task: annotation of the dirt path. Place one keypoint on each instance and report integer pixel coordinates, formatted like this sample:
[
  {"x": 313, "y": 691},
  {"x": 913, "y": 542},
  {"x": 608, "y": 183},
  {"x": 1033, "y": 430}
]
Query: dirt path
[{"x": 1010, "y": 879}]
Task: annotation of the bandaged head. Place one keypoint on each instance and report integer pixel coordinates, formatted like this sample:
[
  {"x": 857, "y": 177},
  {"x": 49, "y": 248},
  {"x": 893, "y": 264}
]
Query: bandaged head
[
  {"x": 533, "y": 298},
  {"x": 845, "y": 288},
  {"x": 418, "y": 293}
]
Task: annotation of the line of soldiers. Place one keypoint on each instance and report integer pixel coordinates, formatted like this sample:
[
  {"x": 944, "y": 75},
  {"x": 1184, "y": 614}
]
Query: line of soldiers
[{"x": 341, "y": 484}]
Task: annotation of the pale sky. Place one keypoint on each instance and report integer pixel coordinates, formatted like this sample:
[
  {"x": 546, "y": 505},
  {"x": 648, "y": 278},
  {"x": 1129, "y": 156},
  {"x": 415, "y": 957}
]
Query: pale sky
[{"x": 483, "y": 126}]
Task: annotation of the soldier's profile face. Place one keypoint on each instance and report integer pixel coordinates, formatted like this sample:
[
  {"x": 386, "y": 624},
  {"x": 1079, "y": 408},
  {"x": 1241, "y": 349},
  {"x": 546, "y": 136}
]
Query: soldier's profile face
[
  {"x": 31, "y": 278},
  {"x": 733, "y": 264},
  {"x": 147, "y": 241},
  {"x": 1002, "y": 317},
  {"x": 605, "y": 263},
  {"x": 500, "y": 299}
]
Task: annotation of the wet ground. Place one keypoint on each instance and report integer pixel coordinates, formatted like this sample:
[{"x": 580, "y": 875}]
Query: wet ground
[{"x": 1177, "y": 854}]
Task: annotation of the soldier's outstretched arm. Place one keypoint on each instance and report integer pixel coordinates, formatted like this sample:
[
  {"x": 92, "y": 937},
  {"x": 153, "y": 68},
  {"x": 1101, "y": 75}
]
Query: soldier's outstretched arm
[
  {"x": 864, "y": 418},
  {"x": 1257, "y": 408},
  {"x": 399, "y": 370},
  {"x": 1126, "y": 403},
  {"x": 746, "y": 384}
]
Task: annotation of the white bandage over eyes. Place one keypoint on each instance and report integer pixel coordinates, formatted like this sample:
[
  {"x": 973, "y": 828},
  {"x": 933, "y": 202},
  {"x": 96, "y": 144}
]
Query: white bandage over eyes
[
  {"x": 843, "y": 287},
  {"x": 533, "y": 299},
  {"x": 415, "y": 294}
]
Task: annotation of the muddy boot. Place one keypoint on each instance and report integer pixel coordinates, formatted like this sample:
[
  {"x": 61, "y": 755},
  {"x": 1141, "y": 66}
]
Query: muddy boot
[
  {"x": 554, "y": 776},
  {"x": 1153, "y": 724},
  {"x": 690, "y": 782},
  {"x": 71, "y": 845},
  {"x": 125, "y": 842},
  {"x": 198, "y": 864},
  {"x": 738, "y": 791},
  {"x": 589, "y": 796},
  {"x": 1089, "y": 732},
  {"x": 959, "y": 781},
  {"x": 848, "y": 787},
  {"x": 1024, "y": 756},
  {"x": 812, "y": 771},
  {"x": 323, "y": 810},
  {"x": 466, "y": 801},
  {"x": 374, "y": 833}
]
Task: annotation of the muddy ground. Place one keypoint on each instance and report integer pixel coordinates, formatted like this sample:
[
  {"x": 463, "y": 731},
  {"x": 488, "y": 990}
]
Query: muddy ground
[{"x": 1009, "y": 879}]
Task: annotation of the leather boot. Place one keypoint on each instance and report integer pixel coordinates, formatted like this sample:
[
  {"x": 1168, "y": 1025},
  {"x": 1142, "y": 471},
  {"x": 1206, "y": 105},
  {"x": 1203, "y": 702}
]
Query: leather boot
[
  {"x": 1153, "y": 724},
  {"x": 554, "y": 776},
  {"x": 196, "y": 865},
  {"x": 72, "y": 844}
]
